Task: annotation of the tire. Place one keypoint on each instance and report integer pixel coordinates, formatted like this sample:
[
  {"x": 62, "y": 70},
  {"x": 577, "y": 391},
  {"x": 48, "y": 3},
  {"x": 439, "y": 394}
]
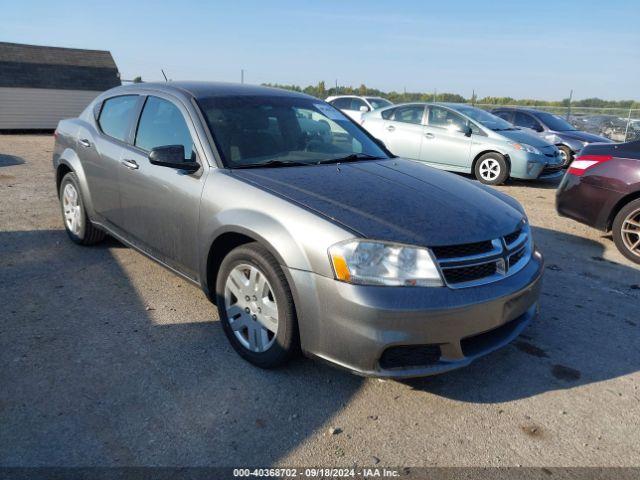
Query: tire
[
  {"x": 566, "y": 155},
  {"x": 627, "y": 221},
  {"x": 243, "y": 320},
  {"x": 82, "y": 232},
  {"x": 491, "y": 169}
]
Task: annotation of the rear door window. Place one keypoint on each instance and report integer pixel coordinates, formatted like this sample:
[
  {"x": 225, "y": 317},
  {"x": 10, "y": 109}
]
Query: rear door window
[
  {"x": 116, "y": 116},
  {"x": 526, "y": 120},
  {"x": 409, "y": 114},
  {"x": 162, "y": 124},
  {"x": 505, "y": 115}
]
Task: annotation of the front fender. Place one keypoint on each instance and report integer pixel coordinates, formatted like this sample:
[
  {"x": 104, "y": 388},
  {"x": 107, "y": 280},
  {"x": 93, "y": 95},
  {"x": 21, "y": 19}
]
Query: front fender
[
  {"x": 297, "y": 237},
  {"x": 574, "y": 145}
]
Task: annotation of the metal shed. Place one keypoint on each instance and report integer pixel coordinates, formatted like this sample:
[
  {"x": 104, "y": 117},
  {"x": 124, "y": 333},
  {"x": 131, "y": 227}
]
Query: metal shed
[{"x": 40, "y": 85}]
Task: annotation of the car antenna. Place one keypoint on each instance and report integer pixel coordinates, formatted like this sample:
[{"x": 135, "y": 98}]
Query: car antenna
[{"x": 164, "y": 75}]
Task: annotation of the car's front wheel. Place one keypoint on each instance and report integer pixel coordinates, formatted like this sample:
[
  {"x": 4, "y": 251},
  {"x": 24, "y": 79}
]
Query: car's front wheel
[
  {"x": 565, "y": 155},
  {"x": 626, "y": 231},
  {"x": 76, "y": 221},
  {"x": 492, "y": 169},
  {"x": 256, "y": 307}
]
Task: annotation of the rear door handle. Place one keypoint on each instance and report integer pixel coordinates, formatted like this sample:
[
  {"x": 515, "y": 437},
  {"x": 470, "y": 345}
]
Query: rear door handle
[
  {"x": 429, "y": 135},
  {"x": 85, "y": 143},
  {"x": 130, "y": 164},
  {"x": 391, "y": 128}
]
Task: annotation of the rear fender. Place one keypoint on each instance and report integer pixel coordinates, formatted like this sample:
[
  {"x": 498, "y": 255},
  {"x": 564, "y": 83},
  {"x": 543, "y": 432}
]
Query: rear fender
[{"x": 69, "y": 159}]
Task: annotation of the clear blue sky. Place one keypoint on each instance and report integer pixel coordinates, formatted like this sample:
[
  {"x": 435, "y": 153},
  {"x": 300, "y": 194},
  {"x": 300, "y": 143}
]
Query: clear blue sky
[{"x": 523, "y": 49}]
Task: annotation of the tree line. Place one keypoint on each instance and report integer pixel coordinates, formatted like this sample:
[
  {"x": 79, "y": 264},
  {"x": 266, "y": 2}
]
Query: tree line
[{"x": 321, "y": 91}]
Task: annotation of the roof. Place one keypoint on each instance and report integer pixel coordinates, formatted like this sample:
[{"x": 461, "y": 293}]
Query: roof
[
  {"x": 519, "y": 109},
  {"x": 35, "y": 66},
  {"x": 217, "y": 89}
]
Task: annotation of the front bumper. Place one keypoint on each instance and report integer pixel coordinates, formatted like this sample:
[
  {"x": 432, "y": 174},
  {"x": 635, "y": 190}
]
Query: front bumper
[
  {"x": 530, "y": 166},
  {"x": 356, "y": 327}
]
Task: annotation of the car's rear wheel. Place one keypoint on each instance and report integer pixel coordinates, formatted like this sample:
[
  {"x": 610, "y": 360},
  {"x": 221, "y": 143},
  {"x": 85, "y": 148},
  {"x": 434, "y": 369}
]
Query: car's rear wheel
[
  {"x": 256, "y": 307},
  {"x": 626, "y": 231},
  {"x": 492, "y": 169},
  {"x": 76, "y": 222},
  {"x": 565, "y": 155}
]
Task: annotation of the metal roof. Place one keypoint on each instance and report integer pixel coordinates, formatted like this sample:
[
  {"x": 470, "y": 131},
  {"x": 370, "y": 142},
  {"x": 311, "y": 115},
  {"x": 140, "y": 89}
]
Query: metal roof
[{"x": 35, "y": 66}]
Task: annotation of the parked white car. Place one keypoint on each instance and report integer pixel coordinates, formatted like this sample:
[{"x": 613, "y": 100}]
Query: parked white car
[{"x": 354, "y": 106}]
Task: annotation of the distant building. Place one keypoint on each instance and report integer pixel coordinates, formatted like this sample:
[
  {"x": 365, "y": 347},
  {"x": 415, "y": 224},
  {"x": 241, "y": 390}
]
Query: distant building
[{"x": 41, "y": 85}]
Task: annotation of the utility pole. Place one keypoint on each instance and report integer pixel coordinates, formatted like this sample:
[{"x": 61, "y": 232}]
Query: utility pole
[
  {"x": 473, "y": 98},
  {"x": 336, "y": 86},
  {"x": 569, "y": 105},
  {"x": 242, "y": 75},
  {"x": 626, "y": 130}
]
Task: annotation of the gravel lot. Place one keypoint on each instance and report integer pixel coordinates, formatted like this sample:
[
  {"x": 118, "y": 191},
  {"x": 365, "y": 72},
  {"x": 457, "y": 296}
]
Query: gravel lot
[{"x": 108, "y": 359}]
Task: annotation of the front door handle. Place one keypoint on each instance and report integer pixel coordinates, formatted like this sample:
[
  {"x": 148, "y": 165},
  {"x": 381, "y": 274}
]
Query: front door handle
[
  {"x": 391, "y": 128},
  {"x": 130, "y": 164},
  {"x": 85, "y": 143},
  {"x": 429, "y": 135}
]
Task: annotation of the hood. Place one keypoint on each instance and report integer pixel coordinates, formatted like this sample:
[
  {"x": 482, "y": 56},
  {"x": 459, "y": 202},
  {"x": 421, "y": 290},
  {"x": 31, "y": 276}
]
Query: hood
[
  {"x": 583, "y": 137},
  {"x": 522, "y": 136},
  {"x": 393, "y": 200}
]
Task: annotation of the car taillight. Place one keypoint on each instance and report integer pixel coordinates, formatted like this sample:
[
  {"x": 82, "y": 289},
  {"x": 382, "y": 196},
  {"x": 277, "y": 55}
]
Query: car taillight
[
  {"x": 583, "y": 163},
  {"x": 55, "y": 134}
]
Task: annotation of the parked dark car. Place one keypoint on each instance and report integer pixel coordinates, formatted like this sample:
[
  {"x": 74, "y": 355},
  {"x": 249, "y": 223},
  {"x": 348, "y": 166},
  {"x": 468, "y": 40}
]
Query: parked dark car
[
  {"x": 602, "y": 189},
  {"x": 551, "y": 128},
  {"x": 304, "y": 231}
]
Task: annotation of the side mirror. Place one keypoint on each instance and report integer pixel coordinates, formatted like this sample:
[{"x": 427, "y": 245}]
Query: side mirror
[
  {"x": 538, "y": 128},
  {"x": 172, "y": 156},
  {"x": 467, "y": 131},
  {"x": 364, "y": 108}
]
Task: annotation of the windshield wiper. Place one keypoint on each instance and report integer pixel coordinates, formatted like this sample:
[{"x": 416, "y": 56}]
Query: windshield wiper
[
  {"x": 354, "y": 157},
  {"x": 274, "y": 164}
]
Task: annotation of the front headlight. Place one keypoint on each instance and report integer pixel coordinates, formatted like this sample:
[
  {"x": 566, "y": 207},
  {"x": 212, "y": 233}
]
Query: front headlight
[
  {"x": 524, "y": 147},
  {"x": 369, "y": 262}
]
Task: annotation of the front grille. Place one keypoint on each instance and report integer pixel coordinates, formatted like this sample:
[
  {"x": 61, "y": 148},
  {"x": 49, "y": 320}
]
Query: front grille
[
  {"x": 469, "y": 274},
  {"x": 512, "y": 237},
  {"x": 409, "y": 356},
  {"x": 483, "y": 262},
  {"x": 515, "y": 258},
  {"x": 464, "y": 250}
]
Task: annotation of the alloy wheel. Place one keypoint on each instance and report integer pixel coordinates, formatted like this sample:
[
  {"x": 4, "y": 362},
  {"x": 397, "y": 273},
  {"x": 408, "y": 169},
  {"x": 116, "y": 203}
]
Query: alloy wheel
[
  {"x": 251, "y": 308},
  {"x": 563, "y": 156},
  {"x": 71, "y": 208},
  {"x": 631, "y": 232},
  {"x": 489, "y": 169}
]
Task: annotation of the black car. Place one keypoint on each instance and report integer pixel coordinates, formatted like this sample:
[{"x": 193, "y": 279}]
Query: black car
[{"x": 551, "y": 128}]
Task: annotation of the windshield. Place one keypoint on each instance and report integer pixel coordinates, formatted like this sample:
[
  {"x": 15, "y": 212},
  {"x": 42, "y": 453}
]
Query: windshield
[
  {"x": 484, "y": 118},
  {"x": 378, "y": 102},
  {"x": 554, "y": 123},
  {"x": 278, "y": 131}
]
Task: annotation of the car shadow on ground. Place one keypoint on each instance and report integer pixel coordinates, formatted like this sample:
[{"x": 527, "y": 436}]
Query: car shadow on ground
[
  {"x": 587, "y": 330},
  {"x": 10, "y": 160},
  {"x": 91, "y": 377},
  {"x": 546, "y": 184}
]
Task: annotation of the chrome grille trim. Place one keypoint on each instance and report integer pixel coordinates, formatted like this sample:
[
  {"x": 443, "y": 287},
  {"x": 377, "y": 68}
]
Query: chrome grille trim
[{"x": 501, "y": 256}]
